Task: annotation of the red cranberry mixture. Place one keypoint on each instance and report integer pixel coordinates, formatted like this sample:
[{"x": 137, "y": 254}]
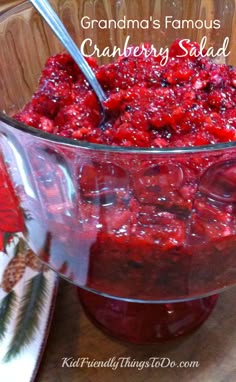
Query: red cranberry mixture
[
  {"x": 148, "y": 226},
  {"x": 188, "y": 102}
]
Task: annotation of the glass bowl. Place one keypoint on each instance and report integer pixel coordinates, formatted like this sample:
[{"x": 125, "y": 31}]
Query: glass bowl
[{"x": 148, "y": 236}]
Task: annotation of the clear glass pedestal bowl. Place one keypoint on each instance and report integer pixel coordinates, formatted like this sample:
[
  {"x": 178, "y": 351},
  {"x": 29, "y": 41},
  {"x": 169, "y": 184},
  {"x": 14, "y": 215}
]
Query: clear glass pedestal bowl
[{"x": 148, "y": 236}]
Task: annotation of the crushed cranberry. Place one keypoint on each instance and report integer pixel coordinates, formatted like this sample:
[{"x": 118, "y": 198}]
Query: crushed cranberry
[
  {"x": 187, "y": 102},
  {"x": 153, "y": 228},
  {"x": 147, "y": 223}
]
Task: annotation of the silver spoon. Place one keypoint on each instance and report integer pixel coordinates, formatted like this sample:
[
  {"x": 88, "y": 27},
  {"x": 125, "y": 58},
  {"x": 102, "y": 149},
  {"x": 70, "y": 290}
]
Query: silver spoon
[{"x": 50, "y": 16}]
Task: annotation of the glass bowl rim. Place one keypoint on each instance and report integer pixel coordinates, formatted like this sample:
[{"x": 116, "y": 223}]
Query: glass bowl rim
[{"x": 95, "y": 146}]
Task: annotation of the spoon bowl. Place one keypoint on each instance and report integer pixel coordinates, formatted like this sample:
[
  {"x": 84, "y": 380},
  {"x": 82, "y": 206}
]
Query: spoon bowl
[{"x": 54, "y": 22}]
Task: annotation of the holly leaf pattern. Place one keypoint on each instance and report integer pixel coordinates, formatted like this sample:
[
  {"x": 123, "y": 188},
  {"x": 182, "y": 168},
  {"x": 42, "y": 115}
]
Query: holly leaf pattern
[
  {"x": 6, "y": 308},
  {"x": 6, "y": 238},
  {"x": 27, "y": 306},
  {"x": 28, "y": 316}
]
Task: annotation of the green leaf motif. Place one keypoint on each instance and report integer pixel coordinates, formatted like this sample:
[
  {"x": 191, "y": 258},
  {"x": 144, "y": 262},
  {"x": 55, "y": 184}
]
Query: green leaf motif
[
  {"x": 8, "y": 237},
  {"x": 6, "y": 308},
  {"x": 28, "y": 318}
]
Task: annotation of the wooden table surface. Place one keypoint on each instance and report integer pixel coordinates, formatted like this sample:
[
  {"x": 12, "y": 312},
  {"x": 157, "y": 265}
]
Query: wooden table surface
[{"x": 72, "y": 335}]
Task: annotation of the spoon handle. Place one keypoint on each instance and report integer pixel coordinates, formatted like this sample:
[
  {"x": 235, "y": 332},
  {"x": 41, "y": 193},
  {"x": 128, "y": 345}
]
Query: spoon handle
[{"x": 50, "y": 16}]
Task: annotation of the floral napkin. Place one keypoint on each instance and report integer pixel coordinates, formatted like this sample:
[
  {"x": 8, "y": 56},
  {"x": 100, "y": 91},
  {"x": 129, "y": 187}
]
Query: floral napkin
[
  {"x": 27, "y": 292},
  {"x": 27, "y": 295}
]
